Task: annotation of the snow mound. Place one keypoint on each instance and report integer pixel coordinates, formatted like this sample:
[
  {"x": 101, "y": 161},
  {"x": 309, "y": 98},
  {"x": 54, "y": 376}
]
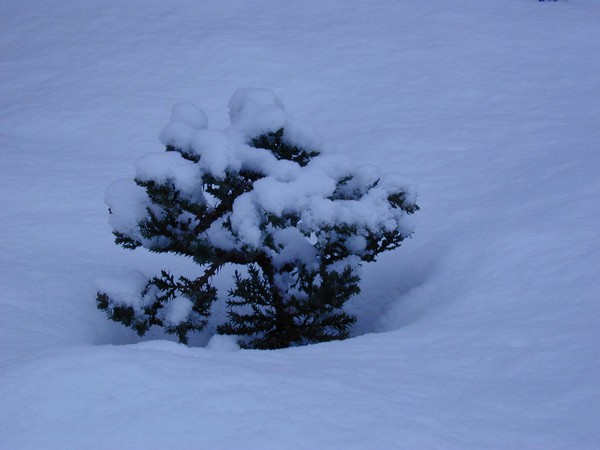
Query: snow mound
[{"x": 223, "y": 343}]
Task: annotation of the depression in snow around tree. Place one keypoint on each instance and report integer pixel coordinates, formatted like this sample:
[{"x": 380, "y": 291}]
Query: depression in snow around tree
[{"x": 263, "y": 195}]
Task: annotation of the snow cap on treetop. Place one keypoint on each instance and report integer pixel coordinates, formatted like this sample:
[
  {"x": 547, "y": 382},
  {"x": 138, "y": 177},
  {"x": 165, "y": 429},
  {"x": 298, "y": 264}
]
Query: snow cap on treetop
[
  {"x": 256, "y": 111},
  {"x": 189, "y": 114},
  {"x": 186, "y": 119},
  {"x": 248, "y": 102}
]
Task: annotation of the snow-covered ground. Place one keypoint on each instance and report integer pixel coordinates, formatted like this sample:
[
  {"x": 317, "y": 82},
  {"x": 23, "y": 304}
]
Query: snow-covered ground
[{"x": 480, "y": 332}]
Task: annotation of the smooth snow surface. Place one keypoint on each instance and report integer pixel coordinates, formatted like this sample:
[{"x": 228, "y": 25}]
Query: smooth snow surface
[{"x": 480, "y": 332}]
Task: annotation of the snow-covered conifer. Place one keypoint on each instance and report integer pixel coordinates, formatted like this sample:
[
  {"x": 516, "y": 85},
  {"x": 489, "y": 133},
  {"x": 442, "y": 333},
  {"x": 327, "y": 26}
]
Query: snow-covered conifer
[{"x": 261, "y": 194}]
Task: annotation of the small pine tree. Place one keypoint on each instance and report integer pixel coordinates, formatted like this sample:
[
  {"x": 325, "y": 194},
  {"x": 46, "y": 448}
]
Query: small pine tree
[{"x": 261, "y": 195}]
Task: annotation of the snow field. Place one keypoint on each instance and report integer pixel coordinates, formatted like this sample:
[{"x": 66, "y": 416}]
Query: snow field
[{"x": 483, "y": 327}]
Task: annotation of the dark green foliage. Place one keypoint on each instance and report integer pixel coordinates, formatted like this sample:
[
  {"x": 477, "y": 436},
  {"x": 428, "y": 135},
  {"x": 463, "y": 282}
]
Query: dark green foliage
[
  {"x": 270, "y": 320},
  {"x": 272, "y": 305},
  {"x": 158, "y": 292},
  {"x": 274, "y": 141}
]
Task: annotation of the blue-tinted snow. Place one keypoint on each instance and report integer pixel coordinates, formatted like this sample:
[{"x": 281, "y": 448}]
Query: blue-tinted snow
[{"x": 486, "y": 320}]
